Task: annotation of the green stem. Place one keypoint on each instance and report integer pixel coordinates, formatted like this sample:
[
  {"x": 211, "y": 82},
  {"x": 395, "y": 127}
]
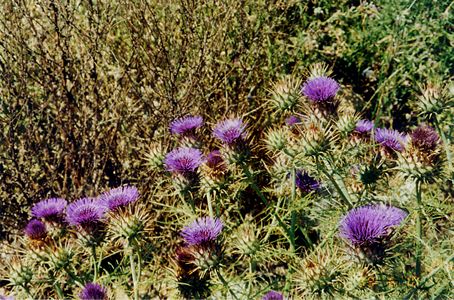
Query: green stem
[
  {"x": 59, "y": 290},
  {"x": 293, "y": 214},
  {"x": 225, "y": 284},
  {"x": 262, "y": 197},
  {"x": 134, "y": 275},
  {"x": 418, "y": 229},
  {"x": 337, "y": 185},
  {"x": 95, "y": 263},
  {"x": 273, "y": 222},
  {"x": 445, "y": 143},
  {"x": 191, "y": 201},
  {"x": 210, "y": 206},
  {"x": 73, "y": 277}
]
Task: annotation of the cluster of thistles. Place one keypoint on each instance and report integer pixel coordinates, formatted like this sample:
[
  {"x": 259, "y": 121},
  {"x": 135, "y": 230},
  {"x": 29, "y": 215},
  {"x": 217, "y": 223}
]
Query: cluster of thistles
[
  {"x": 423, "y": 141},
  {"x": 86, "y": 213},
  {"x": 185, "y": 161}
]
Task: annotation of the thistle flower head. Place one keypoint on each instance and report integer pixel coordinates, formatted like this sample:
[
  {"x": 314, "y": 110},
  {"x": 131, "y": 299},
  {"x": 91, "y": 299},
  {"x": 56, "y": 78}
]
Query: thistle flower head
[
  {"x": 320, "y": 89},
  {"x": 93, "y": 291},
  {"x": 50, "y": 209},
  {"x": 273, "y": 295},
  {"x": 186, "y": 125},
  {"x": 305, "y": 182},
  {"x": 230, "y": 131},
  {"x": 35, "y": 230},
  {"x": 425, "y": 138},
  {"x": 85, "y": 212},
  {"x": 6, "y": 297},
  {"x": 119, "y": 197},
  {"x": 202, "y": 231},
  {"x": 183, "y": 160},
  {"x": 364, "y": 126},
  {"x": 368, "y": 225},
  {"x": 391, "y": 139}
]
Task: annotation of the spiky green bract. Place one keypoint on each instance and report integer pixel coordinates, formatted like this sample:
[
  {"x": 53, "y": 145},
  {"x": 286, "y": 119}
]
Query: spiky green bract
[
  {"x": 285, "y": 94},
  {"x": 435, "y": 98}
]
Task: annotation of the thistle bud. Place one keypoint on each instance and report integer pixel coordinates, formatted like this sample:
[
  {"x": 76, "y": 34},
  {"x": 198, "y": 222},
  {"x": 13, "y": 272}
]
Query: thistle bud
[
  {"x": 346, "y": 124},
  {"x": 129, "y": 226},
  {"x": 434, "y": 99},
  {"x": 276, "y": 139},
  {"x": 285, "y": 94},
  {"x": 155, "y": 157},
  {"x": 21, "y": 275},
  {"x": 246, "y": 241}
]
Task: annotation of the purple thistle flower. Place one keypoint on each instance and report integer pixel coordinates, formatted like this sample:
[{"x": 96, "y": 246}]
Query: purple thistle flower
[
  {"x": 364, "y": 126},
  {"x": 186, "y": 125},
  {"x": 183, "y": 160},
  {"x": 85, "y": 212},
  {"x": 202, "y": 231},
  {"x": 368, "y": 225},
  {"x": 36, "y": 230},
  {"x": 4, "y": 297},
  {"x": 292, "y": 120},
  {"x": 273, "y": 295},
  {"x": 305, "y": 182},
  {"x": 50, "y": 209},
  {"x": 119, "y": 197},
  {"x": 425, "y": 138},
  {"x": 320, "y": 89},
  {"x": 390, "y": 139},
  {"x": 230, "y": 131},
  {"x": 93, "y": 291}
]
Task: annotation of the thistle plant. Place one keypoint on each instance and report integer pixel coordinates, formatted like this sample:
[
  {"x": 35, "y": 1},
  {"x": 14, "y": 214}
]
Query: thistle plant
[{"x": 314, "y": 202}]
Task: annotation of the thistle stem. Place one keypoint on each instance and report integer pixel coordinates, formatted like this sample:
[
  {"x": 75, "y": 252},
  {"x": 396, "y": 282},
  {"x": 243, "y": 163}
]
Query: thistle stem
[
  {"x": 95, "y": 263},
  {"x": 225, "y": 284},
  {"x": 59, "y": 290},
  {"x": 338, "y": 185},
  {"x": 293, "y": 214},
  {"x": 445, "y": 143},
  {"x": 262, "y": 197},
  {"x": 418, "y": 229},
  {"x": 134, "y": 275},
  {"x": 210, "y": 206}
]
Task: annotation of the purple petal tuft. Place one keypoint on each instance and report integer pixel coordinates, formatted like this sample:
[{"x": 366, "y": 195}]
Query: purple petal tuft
[
  {"x": 49, "y": 209},
  {"x": 85, "y": 212},
  {"x": 230, "y": 131},
  {"x": 183, "y": 160},
  {"x": 93, "y": 291},
  {"x": 35, "y": 230},
  {"x": 320, "y": 89},
  {"x": 273, "y": 295},
  {"x": 119, "y": 197},
  {"x": 186, "y": 125},
  {"x": 202, "y": 230},
  {"x": 366, "y": 225}
]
